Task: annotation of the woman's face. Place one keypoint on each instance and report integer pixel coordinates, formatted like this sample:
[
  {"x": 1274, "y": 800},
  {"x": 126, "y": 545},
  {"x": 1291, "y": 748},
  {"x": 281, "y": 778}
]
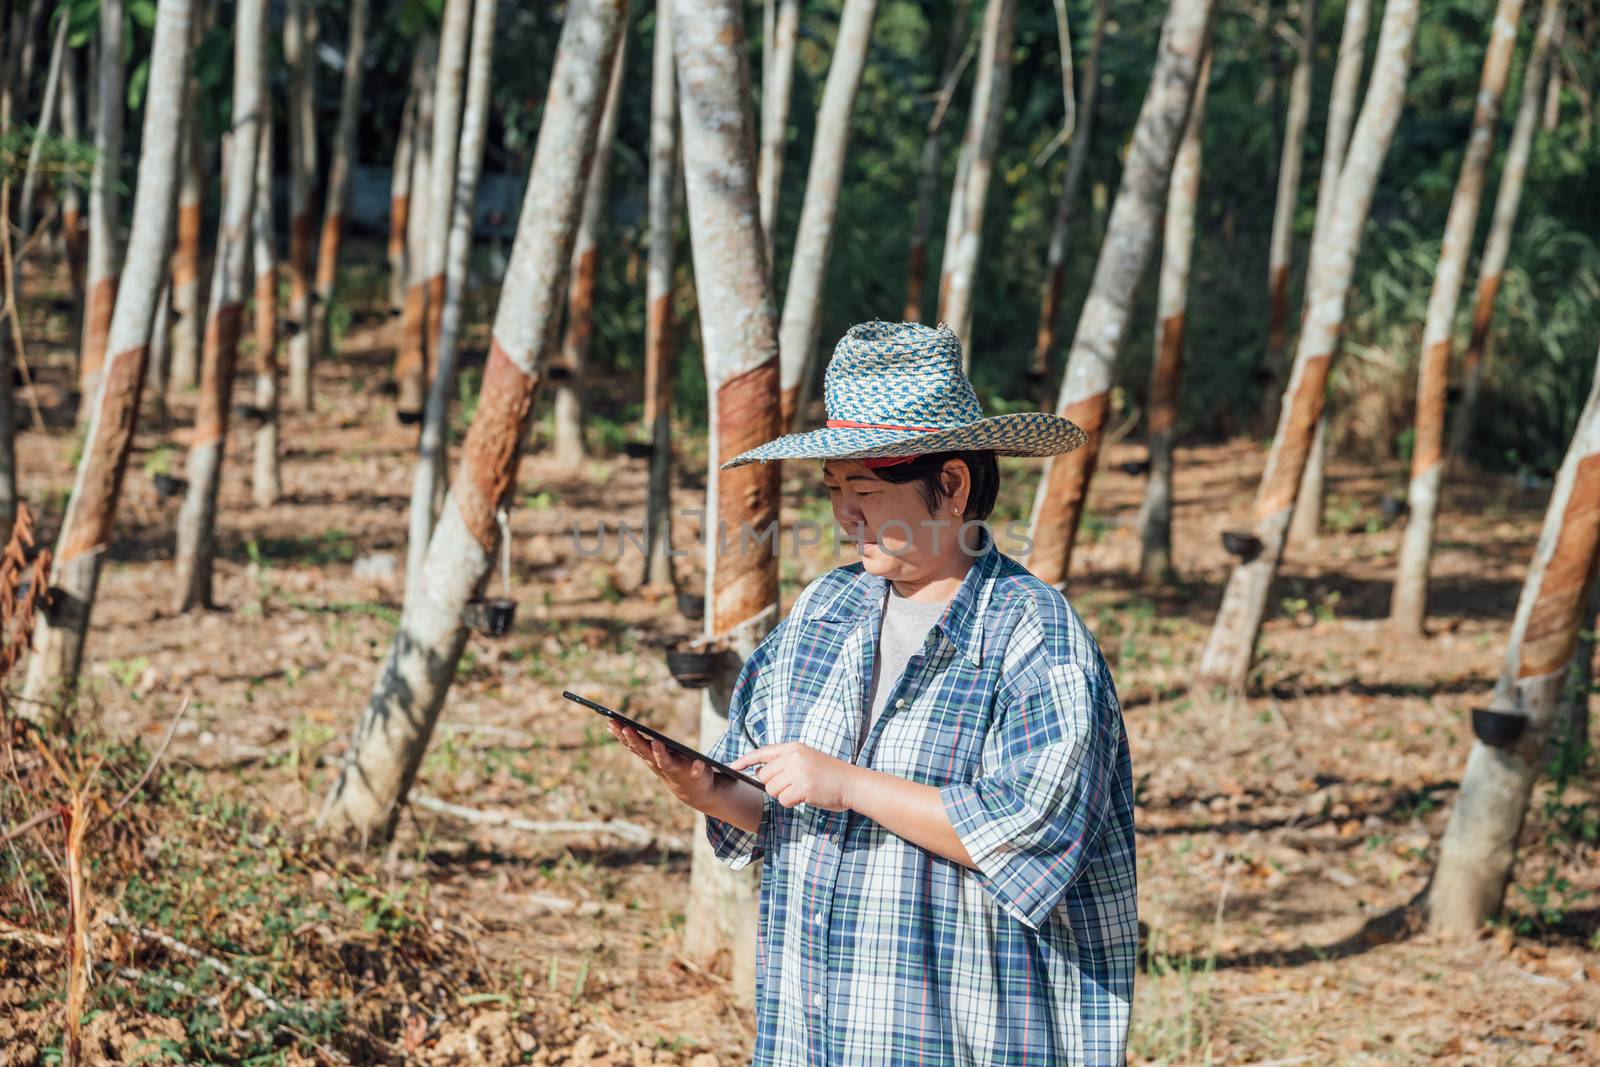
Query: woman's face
[{"x": 898, "y": 537}]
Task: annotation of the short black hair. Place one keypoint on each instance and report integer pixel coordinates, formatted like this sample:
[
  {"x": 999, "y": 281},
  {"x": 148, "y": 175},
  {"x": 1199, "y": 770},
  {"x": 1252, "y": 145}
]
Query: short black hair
[{"x": 981, "y": 466}]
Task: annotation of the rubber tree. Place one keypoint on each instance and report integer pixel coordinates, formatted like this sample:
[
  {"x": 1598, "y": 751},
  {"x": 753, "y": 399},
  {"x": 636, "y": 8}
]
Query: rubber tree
[
  {"x": 335, "y": 200},
  {"x": 392, "y": 735},
  {"x": 777, "y": 86},
  {"x": 570, "y": 370},
  {"x": 427, "y": 482},
  {"x": 455, "y": 32},
  {"x": 47, "y": 119},
  {"x": 1280, "y": 248},
  {"x": 197, "y": 519},
  {"x": 400, "y": 182},
  {"x": 105, "y": 205},
  {"x": 266, "y": 483},
  {"x": 980, "y": 145},
  {"x": 1408, "y": 608},
  {"x": 1172, "y": 301},
  {"x": 740, "y": 338},
  {"x": 1508, "y": 198},
  {"x": 808, "y": 268},
  {"x": 1055, "y": 265},
  {"x": 411, "y": 359},
  {"x": 1479, "y": 845},
  {"x": 1231, "y": 645},
  {"x": 1307, "y": 521},
  {"x": 72, "y": 235},
  {"x": 188, "y": 310},
  {"x": 299, "y": 55},
  {"x": 90, "y": 519},
  {"x": 955, "y": 58},
  {"x": 665, "y": 180},
  {"x": 1124, "y": 255}
]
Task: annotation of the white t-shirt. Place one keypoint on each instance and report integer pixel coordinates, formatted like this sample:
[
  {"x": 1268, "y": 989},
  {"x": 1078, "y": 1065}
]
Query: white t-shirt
[{"x": 905, "y": 627}]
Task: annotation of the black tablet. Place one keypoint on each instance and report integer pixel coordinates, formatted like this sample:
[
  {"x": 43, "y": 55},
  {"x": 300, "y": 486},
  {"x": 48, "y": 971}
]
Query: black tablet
[{"x": 656, "y": 735}]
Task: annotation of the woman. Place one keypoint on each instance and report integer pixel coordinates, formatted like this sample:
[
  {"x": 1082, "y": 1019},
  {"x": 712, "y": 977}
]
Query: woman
[{"x": 947, "y": 825}]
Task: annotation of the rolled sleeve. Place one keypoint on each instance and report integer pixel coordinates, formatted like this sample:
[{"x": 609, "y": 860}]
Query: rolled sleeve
[
  {"x": 734, "y": 846},
  {"x": 1030, "y": 822}
]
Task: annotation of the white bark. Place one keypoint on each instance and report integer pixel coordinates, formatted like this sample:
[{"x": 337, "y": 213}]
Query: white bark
[
  {"x": 1279, "y": 249},
  {"x": 428, "y": 478},
  {"x": 411, "y": 361},
  {"x": 1408, "y": 609},
  {"x": 229, "y": 283},
  {"x": 665, "y": 181},
  {"x": 1307, "y": 521},
  {"x": 1172, "y": 300},
  {"x": 928, "y": 177},
  {"x": 1479, "y": 846},
  {"x": 740, "y": 339},
  {"x": 266, "y": 483},
  {"x": 47, "y": 119},
  {"x": 400, "y": 183},
  {"x": 1508, "y": 199},
  {"x": 105, "y": 203},
  {"x": 777, "y": 85},
  {"x": 393, "y": 734},
  {"x": 980, "y": 145},
  {"x": 454, "y": 37},
  {"x": 1229, "y": 649},
  {"x": 188, "y": 310},
  {"x": 808, "y": 270},
  {"x": 90, "y": 519},
  {"x": 337, "y": 197},
  {"x": 1126, "y": 251},
  {"x": 582, "y": 276},
  {"x": 299, "y": 54}
]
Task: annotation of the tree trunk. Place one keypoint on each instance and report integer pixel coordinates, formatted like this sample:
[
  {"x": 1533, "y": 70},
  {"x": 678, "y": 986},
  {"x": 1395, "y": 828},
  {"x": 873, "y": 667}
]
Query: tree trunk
[
  {"x": 1552, "y": 94},
  {"x": 1172, "y": 299},
  {"x": 337, "y": 196},
  {"x": 161, "y": 345},
  {"x": 1480, "y": 843},
  {"x": 1232, "y": 642},
  {"x": 1130, "y": 235},
  {"x": 90, "y": 519},
  {"x": 392, "y": 736},
  {"x": 1508, "y": 198},
  {"x": 928, "y": 177},
  {"x": 72, "y": 235},
  {"x": 777, "y": 86},
  {"x": 265, "y": 484},
  {"x": 1055, "y": 266},
  {"x": 569, "y": 372},
  {"x": 230, "y": 277},
  {"x": 411, "y": 359},
  {"x": 665, "y": 180},
  {"x": 105, "y": 206},
  {"x": 454, "y": 39},
  {"x": 187, "y": 307},
  {"x": 741, "y": 348},
  {"x": 982, "y": 144},
  {"x": 1281, "y": 245},
  {"x": 299, "y": 56},
  {"x": 47, "y": 118},
  {"x": 1408, "y": 610},
  {"x": 400, "y": 183},
  {"x": 808, "y": 271},
  {"x": 1306, "y": 524},
  {"x": 428, "y": 479}
]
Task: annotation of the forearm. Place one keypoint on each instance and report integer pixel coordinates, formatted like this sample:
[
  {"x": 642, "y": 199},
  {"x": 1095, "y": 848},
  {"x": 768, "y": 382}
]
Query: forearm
[
  {"x": 735, "y": 802},
  {"x": 910, "y": 810}
]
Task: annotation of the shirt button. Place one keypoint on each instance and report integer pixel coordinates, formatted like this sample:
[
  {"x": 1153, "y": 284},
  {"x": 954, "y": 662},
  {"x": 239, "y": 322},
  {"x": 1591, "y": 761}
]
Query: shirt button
[
  {"x": 816, "y": 1001},
  {"x": 817, "y": 918},
  {"x": 900, "y": 703}
]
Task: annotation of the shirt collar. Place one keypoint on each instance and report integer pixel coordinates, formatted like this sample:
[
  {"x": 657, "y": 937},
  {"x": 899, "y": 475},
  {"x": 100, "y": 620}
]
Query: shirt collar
[{"x": 961, "y": 621}]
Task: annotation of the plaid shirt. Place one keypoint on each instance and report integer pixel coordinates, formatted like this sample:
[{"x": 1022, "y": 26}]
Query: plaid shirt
[{"x": 873, "y": 951}]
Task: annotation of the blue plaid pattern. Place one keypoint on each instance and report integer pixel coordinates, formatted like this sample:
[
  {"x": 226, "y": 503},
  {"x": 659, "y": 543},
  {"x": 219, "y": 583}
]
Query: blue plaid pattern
[
  {"x": 873, "y": 951},
  {"x": 902, "y": 387}
]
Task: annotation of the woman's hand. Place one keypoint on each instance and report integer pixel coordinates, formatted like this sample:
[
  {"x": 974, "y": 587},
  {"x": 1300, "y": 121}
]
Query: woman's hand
[
  {"x": 798, "y": 774},
  {"x": 691, "y": 781}
]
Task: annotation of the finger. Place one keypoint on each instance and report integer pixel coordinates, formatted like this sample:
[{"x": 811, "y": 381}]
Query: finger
[
  {"x": 764, "y": 754},
  {"x": 665, "y": 758},
  {"x": 790, "y": 795}
]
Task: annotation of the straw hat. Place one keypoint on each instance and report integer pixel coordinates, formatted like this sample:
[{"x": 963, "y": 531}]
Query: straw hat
[{"x": 897, "y": 389}]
